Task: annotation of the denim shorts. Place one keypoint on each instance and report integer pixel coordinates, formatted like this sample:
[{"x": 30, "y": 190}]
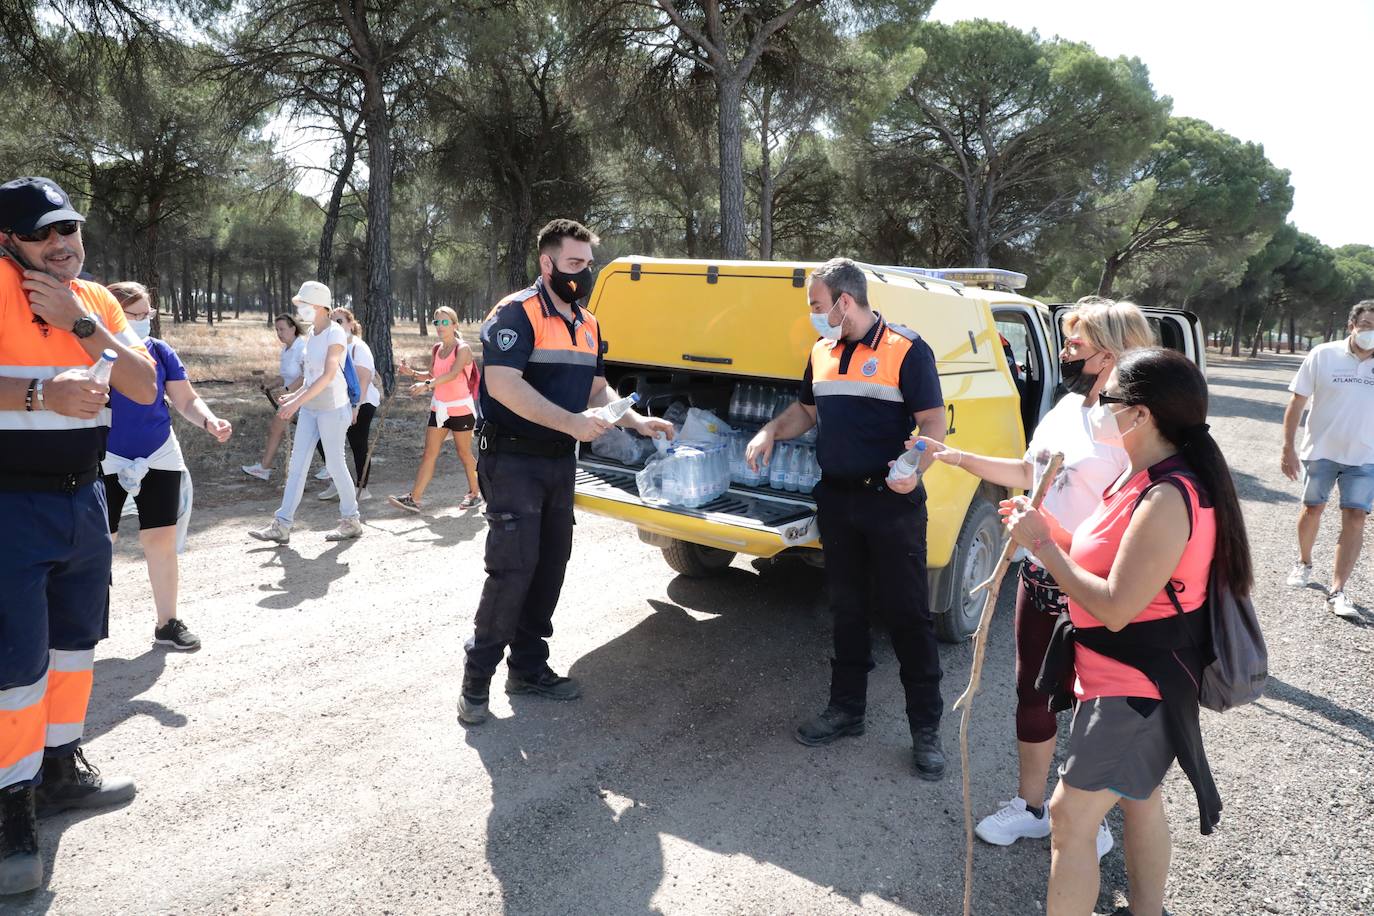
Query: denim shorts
[{"x": 1356, "y": 483}]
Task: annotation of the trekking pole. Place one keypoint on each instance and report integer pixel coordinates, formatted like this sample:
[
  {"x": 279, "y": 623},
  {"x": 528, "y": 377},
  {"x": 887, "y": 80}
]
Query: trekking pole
[
  {"x": 980, "y": 646},
  {"x": 381, "y": 427}
]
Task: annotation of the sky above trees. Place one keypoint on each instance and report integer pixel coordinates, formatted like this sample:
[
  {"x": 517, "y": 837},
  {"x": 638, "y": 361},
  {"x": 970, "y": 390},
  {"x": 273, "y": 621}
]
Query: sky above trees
[{"x": 1292, "y": 81}]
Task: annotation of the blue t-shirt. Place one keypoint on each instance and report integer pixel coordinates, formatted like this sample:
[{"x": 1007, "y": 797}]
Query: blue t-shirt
[{"x": 138, "y": 430}]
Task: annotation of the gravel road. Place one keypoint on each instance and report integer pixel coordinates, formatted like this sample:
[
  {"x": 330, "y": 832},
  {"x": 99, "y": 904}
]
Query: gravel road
[{"x": 308, "y": 759}]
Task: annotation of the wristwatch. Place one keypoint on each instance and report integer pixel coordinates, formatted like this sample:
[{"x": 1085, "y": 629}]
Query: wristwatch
[{"x": 84, "y": 327}]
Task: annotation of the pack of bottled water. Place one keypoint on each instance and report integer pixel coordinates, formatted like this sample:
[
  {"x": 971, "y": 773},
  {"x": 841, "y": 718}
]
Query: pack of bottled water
[
  {"x": 686, "y": 475},
  {"x": 757, "y": 403}
]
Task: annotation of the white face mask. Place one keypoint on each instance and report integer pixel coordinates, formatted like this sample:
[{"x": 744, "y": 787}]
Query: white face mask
[
  {"x": 1364, "y": 340},
  {"x": 142, "y": 326},
  {"x": 1103, "y": 426},
  {"x": 823, "y": 326},
  {"x": 306, "y": 313}
]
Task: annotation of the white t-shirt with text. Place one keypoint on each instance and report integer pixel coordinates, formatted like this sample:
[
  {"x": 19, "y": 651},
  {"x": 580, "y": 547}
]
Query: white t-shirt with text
[
  {"x": 1340, "y": 418},
  {"x": 316, "y": 352}
]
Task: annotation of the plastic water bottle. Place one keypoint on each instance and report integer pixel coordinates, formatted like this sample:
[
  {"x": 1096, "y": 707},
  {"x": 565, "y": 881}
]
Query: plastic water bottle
[
  {"x": 811, "y": 473},
  {"x": 909, "y": 464},
  {"x": 614, "y": 410},
  {"x": 100, "y": 372},
  {"x": 734, "y": 411},
  {"x": 672, "y": 481},
  {"x": 777, "y": 469}
]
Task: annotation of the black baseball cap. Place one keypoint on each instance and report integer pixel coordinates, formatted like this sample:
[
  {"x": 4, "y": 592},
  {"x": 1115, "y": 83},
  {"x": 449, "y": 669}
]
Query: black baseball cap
[{"x": 29, "y": 204}]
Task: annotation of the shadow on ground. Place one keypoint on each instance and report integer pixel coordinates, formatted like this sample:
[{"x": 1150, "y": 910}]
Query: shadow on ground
[{"x": 588, "y": 797}]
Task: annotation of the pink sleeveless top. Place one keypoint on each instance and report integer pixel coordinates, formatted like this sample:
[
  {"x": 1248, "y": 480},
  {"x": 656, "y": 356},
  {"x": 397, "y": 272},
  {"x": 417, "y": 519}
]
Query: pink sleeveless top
[
  {"x": 1095, "y": 545},
  {"x": 455, "y": 391}
]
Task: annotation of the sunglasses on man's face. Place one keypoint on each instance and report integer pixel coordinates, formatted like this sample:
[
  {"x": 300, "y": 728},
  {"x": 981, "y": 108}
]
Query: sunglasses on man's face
[
  {"x": 442, "y": 322},
  {"x": 66, "y": 227}
]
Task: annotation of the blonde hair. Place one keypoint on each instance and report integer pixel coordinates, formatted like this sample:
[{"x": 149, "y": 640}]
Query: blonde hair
[
  {"x": 127, "y": 291},
  {"x": 1108, "y": 324},
  {"x": 353, "y": 326},
  {"x": 449, "y": 314}
]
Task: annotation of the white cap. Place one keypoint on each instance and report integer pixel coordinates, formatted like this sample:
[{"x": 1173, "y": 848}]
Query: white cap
[{"x": 314, "y": 293}]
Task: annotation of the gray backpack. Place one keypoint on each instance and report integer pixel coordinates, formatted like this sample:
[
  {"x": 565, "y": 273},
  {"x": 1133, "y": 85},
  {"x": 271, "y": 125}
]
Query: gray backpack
[{"x": 1235, "y": 669}]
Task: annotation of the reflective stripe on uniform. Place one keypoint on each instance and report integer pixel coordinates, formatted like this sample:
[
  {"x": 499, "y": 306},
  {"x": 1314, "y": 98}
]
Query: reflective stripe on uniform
[
  {"x": 23, "y": 717},
  {"x": 70, "y": 675},
  {"x": 44, "y": 419},
  {"x": 857, "y": 390},
  {"x": 568, "y": 357}
]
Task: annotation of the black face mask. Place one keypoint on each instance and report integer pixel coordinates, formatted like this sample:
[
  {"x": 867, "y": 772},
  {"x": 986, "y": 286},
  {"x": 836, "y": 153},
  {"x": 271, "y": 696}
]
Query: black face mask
[
  {"x": 1076, "y": 381},
  {"x": 571, "y": 287}
]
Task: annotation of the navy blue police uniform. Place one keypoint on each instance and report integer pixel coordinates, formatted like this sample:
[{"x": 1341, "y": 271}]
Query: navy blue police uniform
[
  {"x": 865, "y": 393},
  {"x": 526, "y": 474}
]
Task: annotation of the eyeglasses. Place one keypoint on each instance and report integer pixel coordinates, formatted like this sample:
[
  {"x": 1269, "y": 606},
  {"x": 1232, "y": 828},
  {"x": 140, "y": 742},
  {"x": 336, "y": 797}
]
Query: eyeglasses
[
  {"x": 442, "y": 322},
  {"x": 1105, "y": 398},
  {"x": 66, "y": 227}
]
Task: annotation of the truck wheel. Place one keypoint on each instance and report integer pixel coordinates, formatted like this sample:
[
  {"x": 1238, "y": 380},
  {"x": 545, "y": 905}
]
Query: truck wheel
[
  {"x": 696, "y": 560},
  {"x": 975, "y": 556}
]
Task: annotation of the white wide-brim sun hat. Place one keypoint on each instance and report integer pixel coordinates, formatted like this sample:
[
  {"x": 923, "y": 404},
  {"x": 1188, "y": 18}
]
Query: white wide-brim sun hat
[{"x": 313, "y": 292}]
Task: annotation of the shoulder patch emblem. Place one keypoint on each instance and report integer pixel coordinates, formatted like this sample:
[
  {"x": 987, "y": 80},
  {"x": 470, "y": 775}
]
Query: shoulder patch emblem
[
  {"x": 870, "y": 368},
  {"x": 506, "y": 338}
]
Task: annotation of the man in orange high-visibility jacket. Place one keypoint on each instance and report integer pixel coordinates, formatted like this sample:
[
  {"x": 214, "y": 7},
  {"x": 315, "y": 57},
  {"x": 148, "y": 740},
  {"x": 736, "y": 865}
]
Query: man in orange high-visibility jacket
[
  {"x": 55, "y": 547},
  {"x": 866, "y": 385},
  {"x": 543, "y": 379}
]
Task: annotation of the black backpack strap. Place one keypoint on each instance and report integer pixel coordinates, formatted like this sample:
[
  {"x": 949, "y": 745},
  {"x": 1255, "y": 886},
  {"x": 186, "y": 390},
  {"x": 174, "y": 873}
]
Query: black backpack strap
[{"x": 1175, "y": 480}]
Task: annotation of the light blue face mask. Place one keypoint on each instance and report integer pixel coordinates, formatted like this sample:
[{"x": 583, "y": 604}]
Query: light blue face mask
[
  {"x": 142, "y": 327},
  {"x": 823, "y": 326}
]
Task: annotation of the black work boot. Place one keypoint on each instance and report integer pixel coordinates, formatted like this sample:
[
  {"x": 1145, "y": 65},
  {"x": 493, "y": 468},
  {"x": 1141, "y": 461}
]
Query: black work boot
[
  {"x": 927, "y": 753},
  {"x": 543, "y": 683},
  {"x": 833, "y": 722},
  {"x": 21, "y": 868},
  {"x": 472, "y": 703},
  {"x": 70, "y": 781}
]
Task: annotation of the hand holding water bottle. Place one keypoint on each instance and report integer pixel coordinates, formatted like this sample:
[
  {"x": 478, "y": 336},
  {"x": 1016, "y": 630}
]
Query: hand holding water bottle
[
  {"x": 74, "y": 394},
  {"x": 759, "y": 451},
  {"x": 905, "y": 473}
]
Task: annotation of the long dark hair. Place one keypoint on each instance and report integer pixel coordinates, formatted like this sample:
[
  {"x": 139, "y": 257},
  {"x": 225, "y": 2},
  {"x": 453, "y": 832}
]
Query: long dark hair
[{"x": 1174, "y": 389}]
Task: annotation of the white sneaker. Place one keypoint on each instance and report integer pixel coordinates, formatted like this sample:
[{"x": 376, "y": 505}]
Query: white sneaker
[
  {"x": 258, "y": 471},
  {"x": 1011, "y": 822},
  {"x": 330, "y": 492},
  {"x": 349, "y": 528},
  {"x": 1301, "y": 576},
  {"x": 1341, "y": 606},
  {"x": 322, "y": 474},
  {"x": 273, "y": 532},
  {"x": 363, "y": 495},
  {"x": 1104, "y": 840}
]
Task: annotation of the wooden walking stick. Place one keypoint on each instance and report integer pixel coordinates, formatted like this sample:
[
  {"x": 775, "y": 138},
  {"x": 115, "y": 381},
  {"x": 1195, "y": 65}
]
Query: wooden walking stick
[
  {"x": 980, "y": 647},
  {"x": 381, "y": 427}
]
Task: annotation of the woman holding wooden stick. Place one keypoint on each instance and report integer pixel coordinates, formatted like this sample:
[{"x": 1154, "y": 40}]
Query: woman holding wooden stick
[
  {"x": 1096, "y": 333},
  {"x": 1135, "y": 572}
]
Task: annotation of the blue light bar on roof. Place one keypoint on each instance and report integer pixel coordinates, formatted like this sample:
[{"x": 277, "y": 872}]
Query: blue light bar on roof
[{"x": 975, "y": 276}]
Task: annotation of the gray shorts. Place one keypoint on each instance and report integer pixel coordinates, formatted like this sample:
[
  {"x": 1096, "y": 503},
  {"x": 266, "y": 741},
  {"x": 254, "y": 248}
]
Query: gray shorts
[{"x": 1114, "y": 746}]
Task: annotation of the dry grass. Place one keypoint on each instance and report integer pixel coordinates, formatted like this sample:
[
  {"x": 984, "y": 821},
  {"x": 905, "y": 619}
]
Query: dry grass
[{"x": 226, "y": 364}]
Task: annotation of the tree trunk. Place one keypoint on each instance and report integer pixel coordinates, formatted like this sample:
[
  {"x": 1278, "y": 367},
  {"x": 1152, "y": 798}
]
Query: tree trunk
[
  {"x": 238, "y": 294},
  {"x": 765, "y": 183},
  {"x": 1238, "y": 329},
  {"x": 1292, "y": 332},
  {"x": 209, "y": 291},
  {"x": 730, "y": 134},
  {"x": 1110, "y": 267},
  {"x": 379, "y": 169},
  {"x": 421, "y": 300},
  {"x": 324, "y": 263},
  {"x": 187, "y": 307}
]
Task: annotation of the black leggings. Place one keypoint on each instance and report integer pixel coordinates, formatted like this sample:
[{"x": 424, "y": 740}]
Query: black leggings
[{"x": 357, "y": 440}]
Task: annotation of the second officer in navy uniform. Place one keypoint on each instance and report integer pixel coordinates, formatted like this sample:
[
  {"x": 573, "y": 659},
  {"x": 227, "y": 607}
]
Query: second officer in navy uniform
[
  {"x": 868, "y": 383},
  {"x": 543, "y": 379}
]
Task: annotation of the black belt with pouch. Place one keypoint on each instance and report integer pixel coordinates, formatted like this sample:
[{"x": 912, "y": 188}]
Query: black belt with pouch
[
  {"x": 490, "y": 439},
  {"x": 47, "y": 483}
]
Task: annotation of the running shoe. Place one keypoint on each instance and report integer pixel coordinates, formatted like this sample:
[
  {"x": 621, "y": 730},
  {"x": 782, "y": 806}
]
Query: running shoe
[
  {"x": 330, "y": 492},
  {"x": 258, "y": 471},
  {"x": 273, "y": 532},
  {"x": 174, "y": 635},
  {"x": 349, "y": 528},
  {"x": 1301, "y": 576},
  {"x": 1341, "y": 606},
  {"x": 470, "y": 501},
  {"x": 322, "y": 474},
  {"x": 1011, "y": 822},
  {"x": 364, "y": 495},
  {"x": 405, "y": 502}
]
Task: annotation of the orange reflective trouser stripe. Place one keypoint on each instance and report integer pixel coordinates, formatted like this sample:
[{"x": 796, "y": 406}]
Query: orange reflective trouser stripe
[
  {"x": 70, "y": 674},
  {"x": 23, "y": 724}
]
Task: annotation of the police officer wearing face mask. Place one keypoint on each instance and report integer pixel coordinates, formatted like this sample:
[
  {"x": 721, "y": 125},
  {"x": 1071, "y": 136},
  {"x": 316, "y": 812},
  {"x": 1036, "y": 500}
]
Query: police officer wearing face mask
[
  {"x": 543, "y": 381},
  {"x": 868, "y": 383}
]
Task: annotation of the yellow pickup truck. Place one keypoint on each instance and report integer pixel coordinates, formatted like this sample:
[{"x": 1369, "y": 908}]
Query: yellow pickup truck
[{"x": 693, "y": 331}]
